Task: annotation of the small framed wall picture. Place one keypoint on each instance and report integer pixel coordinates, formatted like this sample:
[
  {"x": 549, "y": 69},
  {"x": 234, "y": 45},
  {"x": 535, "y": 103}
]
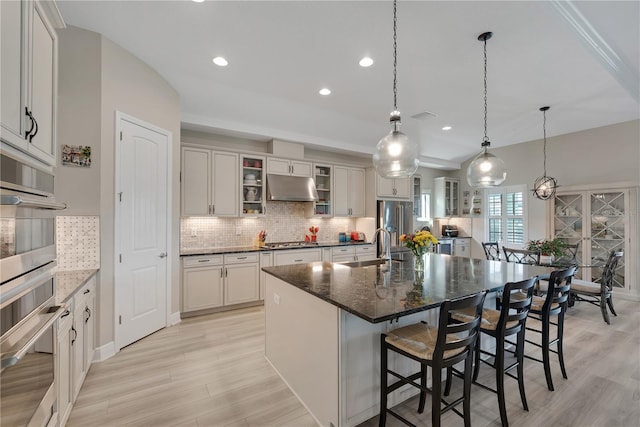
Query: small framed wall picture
[{"x": 76, "y": 155}]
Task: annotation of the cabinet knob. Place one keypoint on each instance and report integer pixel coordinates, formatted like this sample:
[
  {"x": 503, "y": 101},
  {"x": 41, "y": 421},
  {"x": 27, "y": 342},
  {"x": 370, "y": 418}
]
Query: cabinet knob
[{"x": 162, "y": 255}]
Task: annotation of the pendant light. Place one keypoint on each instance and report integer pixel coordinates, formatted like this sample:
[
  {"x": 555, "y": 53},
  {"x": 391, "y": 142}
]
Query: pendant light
[
  {"x": 486, "y": 170},
  {"x": 545, "y": 187},
  {"x": 395, "y": 155}
]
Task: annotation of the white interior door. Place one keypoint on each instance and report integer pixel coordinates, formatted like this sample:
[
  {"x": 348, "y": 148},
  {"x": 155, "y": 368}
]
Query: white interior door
[{"x": 141, "y": 227}]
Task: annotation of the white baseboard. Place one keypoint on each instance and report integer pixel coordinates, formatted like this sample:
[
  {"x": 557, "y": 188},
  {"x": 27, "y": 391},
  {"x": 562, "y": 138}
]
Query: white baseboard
[
  {"x": 174, "y": 319},
  {"x": 104, "y": 352}
]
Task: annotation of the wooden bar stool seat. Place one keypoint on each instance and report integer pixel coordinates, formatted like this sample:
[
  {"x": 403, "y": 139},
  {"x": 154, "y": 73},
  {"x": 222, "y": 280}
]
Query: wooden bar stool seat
[{"x": 438, "y": 348}]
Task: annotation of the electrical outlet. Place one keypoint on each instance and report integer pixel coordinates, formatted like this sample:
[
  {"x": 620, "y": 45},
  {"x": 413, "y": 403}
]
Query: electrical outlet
[
  {"x": 276, "y": 299},
  {"x": 238, "y": 231},
  {"x": 194, "y": 232}
]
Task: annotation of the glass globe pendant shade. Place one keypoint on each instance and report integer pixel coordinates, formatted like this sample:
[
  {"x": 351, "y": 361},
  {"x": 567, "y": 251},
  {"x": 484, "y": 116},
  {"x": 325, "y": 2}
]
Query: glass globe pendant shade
[
  {"x": 396, "y": 156},
  {"x": 486, "y": 170},
  {"x": 545, "y": 187}
]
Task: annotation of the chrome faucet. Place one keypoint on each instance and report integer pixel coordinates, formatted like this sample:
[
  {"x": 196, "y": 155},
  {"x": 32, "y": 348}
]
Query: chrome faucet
[{"x": 386, "y": 248}]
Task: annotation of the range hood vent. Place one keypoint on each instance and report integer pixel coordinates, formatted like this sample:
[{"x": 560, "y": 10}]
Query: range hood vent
[{"x": 291, "y": 188}]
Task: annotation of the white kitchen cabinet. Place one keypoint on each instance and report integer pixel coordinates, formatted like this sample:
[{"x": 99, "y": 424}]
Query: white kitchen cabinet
[
  {"x": 297, "y": 256},
  {"x": 349, "y": 191},
  {"x": 446, "y": 193},
  {"x": 289, "y": 167},
  {"x": 209, "y": 183},
  {"x": 266, "y": 260},
  {"x": 216, "y": 281},
  {"x": 241, "y": 278},
  {"x": 393, "y": 188},
  {"x": 599, "y": 220},
  {"x": 253, "y": 185},
  {"x": 353, "y": 253},
  {"x": 202, "y": 283},
  {"x": 29, "y": 77},
  {"x": 64, "y": 379},
  {"x": 76, "y": 346},
  {"x": 461, "y": 247},
  {"x": 323, "y": 177},
  {"x": 83, "y": 329}
]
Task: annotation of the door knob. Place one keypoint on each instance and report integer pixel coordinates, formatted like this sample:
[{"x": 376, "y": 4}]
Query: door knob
[{"x": 163, "y": 255}]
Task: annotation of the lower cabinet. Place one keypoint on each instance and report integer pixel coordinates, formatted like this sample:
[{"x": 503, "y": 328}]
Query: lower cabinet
[
  {"x": 65, "y": 357},
  {"x": 216, "y": 281},
  {"x": 353, "y": 253},
  {"x": 76, "y": 347},
  {"x": 297, "y": 256}
]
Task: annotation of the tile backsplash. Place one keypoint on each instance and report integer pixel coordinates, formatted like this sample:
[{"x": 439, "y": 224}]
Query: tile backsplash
[
  {"x": 78, "y": 242},
  {"x": 283, "y": 221}
]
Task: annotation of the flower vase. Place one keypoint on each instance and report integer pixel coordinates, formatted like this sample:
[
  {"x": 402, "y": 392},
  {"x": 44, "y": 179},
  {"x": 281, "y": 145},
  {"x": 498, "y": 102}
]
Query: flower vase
[{"x": 418, "y": 262}]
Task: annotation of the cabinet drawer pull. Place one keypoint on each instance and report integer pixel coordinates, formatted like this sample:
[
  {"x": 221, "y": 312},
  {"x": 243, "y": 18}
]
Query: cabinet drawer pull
[
  {"x": 298, "y": 260},
  {"x": 86, "y": 291},
  {"x": 204, "y": 260},
  {"x": 241, "y": 257}
]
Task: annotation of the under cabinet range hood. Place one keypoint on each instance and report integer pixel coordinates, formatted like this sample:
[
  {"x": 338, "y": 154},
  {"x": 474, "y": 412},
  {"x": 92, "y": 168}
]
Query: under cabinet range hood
[{"x": 291, "y": 188}]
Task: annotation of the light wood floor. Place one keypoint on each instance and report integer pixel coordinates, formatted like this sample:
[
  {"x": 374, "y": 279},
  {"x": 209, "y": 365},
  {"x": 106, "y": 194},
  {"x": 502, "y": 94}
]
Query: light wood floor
[{"x": 210, "y": 371}]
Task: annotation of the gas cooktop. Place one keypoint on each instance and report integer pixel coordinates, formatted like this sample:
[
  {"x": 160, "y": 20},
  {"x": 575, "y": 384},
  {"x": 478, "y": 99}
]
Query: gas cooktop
[{"x": 284, "y": 245}]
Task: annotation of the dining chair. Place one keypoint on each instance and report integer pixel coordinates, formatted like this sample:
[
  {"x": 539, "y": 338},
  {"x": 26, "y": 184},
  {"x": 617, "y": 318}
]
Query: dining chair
[
  {"x": 491, "y": 250},
  {"x": 543, "y": 308},
  {"x": 509, "y": 320},
  {"x": 521, "y": 256},
  {"x": 438, "y": 347},
  {"x": 600, "y": 291},
  {"x": 569, "y": 255}
]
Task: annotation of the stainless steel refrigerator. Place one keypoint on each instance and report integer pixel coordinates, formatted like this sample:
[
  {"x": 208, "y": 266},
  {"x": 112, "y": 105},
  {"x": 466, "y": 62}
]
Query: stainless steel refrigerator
[{"x": 397, "y": 218}]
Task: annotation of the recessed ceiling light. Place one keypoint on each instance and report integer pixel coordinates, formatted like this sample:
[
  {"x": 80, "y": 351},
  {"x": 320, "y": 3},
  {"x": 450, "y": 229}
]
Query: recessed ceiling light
[
  {"x": 366, "y": 62},
  {"x": 198, "y": 1},
  {"x": 219, "y": 60},
  {"x": 446, "y": 128},
  {"x": 324, "y": 91}
]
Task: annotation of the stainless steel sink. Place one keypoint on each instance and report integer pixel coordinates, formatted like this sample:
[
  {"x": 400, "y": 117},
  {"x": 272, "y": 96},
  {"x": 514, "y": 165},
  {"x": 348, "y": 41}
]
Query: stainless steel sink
[{"x": 371, "y": 263}]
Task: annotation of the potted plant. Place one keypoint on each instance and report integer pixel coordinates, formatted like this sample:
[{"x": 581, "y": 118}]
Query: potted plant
[{"x": 553, "y": 248}]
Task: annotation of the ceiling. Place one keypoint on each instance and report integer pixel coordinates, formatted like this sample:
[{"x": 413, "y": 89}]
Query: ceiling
[{"x": 582, "y": 58}]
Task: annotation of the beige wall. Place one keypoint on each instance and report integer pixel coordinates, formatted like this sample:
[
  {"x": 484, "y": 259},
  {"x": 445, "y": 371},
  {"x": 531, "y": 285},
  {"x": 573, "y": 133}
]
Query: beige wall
[
  {"x": 605, "y": 155},
  {"x": 79, "y": 98},
  {"x": 128, "y": 85}
]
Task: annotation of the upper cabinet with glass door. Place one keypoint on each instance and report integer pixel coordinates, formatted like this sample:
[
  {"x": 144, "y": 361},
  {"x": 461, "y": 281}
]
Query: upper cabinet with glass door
[
  {"x": 324, "y": 186},
  {"x": 599, "y": 222},
  {"x": 253, "y": 185}
]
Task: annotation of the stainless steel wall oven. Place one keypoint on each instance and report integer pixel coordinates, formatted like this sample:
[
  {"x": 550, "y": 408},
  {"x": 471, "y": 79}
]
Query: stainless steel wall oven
[{"x": 27, "y": 294}]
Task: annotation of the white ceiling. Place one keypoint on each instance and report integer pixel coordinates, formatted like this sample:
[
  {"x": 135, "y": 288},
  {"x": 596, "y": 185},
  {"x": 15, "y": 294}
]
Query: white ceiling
[{"x": 582, "y": 58}]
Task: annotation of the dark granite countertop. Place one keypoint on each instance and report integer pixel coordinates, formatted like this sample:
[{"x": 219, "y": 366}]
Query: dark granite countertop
[
  {"x": 242, "y": 249},
  {"x": 383, "y": 292}
]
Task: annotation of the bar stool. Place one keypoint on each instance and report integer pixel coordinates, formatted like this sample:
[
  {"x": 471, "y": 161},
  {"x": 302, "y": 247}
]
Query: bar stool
[
  {"x": 508, "y": 321},
  {"x": 554, "y": 303},
  {"x": 439, "y": 348}
]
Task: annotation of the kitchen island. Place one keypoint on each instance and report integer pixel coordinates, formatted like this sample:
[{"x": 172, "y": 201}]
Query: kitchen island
[{"x": 323, "y": 323}]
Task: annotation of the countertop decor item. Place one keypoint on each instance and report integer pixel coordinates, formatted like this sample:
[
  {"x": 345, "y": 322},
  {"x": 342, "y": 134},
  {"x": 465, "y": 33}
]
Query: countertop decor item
[
  {"x": 486, "y": 170},
  {"x": 419, "y": 243},
  {"x": 395, "y": 156},
  {"x": 545, "y": 186},
  {"x": 314, "y": 231}
]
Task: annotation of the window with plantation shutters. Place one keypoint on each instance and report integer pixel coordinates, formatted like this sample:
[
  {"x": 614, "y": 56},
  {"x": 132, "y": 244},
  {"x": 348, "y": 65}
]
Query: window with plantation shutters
[{"x": 506, "y": 219}]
